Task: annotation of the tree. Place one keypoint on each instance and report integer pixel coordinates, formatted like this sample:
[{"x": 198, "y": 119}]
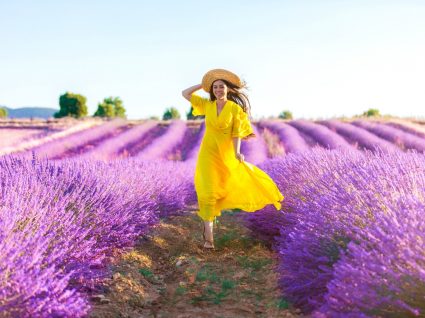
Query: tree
[
  {"x": 73, "y": 105},
  {"x": 171, "y": 113},
  {"x": 105, "y": 110},
  {"x": 3, "y": 112},
  {"x": 110, "y": 107},
  {"x": 189, "y": 115},
  {"x": 286, "y": 114},
  {"x": 371, "y": 112}
]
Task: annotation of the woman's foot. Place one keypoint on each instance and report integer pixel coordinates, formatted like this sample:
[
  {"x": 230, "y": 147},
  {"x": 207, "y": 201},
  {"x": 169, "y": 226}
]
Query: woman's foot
[{"x": 208, "y": 235}]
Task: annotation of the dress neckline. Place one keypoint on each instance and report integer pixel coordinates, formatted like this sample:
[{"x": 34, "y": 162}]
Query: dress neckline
[{"x": 222, "y": 108}]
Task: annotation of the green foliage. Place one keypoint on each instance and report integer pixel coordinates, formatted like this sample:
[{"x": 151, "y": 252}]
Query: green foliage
[
  {"x": 110, "y": 107},
  {"x": 190, "y": 116},
  {"x": 254, "y": 264},
  {"x": 146, "y": 272},
  {"x": 226, "y": 239},
  {"x": 216, "y": 288},
  {"x": 286, "y": 114},
  {"x": 171, "y": 113},
  {"x": 180, "y": 290},
  {"x": 282, "y": 304},
  {"x": 73, "y": 105},
  {"x": 371, "y": 112},
  {"x": 3, "y": 113}
]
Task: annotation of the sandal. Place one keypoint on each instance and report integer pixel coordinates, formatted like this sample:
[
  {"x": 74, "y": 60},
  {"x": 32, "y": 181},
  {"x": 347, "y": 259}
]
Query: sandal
[{"x": 211, "y": 246}]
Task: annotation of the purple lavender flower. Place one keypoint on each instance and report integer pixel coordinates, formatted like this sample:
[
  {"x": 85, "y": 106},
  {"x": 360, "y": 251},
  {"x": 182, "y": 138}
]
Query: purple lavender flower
[
  {"x": 344, "y": 215},
  {"x": 110, "y": 148},
  {"x": 189, "y": 142},
  {"x": 289, "y": 136},
  {"x": 359, "y": 137},
  {"x": 325, "y": 137},
  {"x": 255, "y": 149},
  {"x": 161, "y": 146},
  {"x": 193, "y": 153},
  {"x": 74, "y": 143},
  {"x": 62, "y": 221},
  {"x": 399, "y": 137}
]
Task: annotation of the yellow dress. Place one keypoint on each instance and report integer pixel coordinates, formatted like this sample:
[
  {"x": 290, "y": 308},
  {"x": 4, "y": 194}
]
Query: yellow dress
[{"x": 221, "y": 181}]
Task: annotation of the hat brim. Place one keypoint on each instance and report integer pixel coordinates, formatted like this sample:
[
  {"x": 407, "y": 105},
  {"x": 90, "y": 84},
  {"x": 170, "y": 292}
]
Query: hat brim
[{"x": 219, "y": 74}]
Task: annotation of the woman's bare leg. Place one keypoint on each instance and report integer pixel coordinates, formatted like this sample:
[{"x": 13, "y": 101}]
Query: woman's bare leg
[{"x": 208, "y": 234}]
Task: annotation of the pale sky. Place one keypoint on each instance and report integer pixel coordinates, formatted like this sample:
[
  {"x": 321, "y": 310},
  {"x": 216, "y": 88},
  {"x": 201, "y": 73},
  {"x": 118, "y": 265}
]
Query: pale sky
[{"x": 316, "y": 58}]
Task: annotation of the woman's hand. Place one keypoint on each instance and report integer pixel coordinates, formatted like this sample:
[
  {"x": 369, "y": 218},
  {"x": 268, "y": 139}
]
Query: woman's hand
[
  {"x": 240, "y": 157},
  {"x": 187, "y": 93}
]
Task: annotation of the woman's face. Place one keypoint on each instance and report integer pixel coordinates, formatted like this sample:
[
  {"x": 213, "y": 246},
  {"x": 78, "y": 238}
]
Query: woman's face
[{"x": 219, "y": 89}]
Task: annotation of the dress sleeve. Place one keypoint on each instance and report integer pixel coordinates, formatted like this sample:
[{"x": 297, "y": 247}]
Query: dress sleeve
[
  {"x": 199, "y": 104},
  {"x": 241, "y": 124}
]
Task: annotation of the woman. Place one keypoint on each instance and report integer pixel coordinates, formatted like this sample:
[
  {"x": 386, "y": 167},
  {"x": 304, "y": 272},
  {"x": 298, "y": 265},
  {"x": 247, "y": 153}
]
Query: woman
[{"x": 223, "y": 180}]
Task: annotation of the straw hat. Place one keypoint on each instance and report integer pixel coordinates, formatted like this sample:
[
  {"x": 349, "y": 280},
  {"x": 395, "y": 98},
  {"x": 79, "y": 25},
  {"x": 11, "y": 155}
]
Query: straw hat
[{"x": 220, "y": 74}]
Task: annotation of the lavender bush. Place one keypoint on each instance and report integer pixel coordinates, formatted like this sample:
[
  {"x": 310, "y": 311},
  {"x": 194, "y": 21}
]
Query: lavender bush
[
  {"x": 289, "y": 136},
  {"x": 190, "y": 139},
  {"x": 343, "y": 208},
  {"x": 193, "y": 153},
  {"x": 131, "y": 149},
  {"x": 112, "y": 147},
  {"x": 53, "y": 134},
  {"x": 382, "y": 273},
  {"x": 254, "y": 149},
  {"x": 399, "y": 137},
  {"x": 359, "y": 137},
  {"x": 17, "y": 135},
  {"x": 162, "y": 145},
  {"x": 325, "y": 137},
  {"x": 58, "y": 148},
  {"x": 61, "y": 222},
  {"x": 410, "y": 128}
]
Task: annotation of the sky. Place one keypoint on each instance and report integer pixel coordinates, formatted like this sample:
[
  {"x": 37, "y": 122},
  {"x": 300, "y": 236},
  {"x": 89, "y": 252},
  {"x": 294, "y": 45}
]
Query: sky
[{"x": 316, "y": 58}]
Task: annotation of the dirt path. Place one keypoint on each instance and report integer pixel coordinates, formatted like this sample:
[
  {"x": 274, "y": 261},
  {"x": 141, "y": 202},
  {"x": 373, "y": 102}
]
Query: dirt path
[{"x": 168, "y": 274}]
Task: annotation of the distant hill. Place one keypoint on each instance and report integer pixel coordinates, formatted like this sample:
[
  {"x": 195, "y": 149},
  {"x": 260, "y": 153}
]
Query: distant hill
[{"x": 30, "y": 112}]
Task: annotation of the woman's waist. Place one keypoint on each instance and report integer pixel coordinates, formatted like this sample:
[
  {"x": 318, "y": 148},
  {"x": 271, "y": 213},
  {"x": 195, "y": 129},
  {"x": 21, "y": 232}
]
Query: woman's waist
[{"x": 217, "y": 130}]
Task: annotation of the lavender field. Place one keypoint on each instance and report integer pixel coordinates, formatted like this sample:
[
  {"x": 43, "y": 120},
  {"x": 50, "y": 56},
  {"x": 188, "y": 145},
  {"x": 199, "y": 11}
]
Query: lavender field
[{"x": 349, "y": 238}]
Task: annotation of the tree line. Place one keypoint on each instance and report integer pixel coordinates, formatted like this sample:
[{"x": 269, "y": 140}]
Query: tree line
[{"x": 74, "y": 105}]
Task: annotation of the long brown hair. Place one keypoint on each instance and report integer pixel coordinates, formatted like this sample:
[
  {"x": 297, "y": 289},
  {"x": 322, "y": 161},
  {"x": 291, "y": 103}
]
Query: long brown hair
[{"x": 235, "y": 95}]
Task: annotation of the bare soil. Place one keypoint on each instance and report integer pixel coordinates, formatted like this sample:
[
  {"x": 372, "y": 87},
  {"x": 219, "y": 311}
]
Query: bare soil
[{"x": 169, "y": 274}]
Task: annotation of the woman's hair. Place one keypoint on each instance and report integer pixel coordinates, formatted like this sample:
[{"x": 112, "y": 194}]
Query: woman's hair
[{"x": 235, "y": 95}]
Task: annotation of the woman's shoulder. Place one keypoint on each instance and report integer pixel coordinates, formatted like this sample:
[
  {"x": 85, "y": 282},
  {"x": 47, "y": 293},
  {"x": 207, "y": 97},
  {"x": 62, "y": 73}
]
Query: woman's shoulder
[
  {"x": 235, "y": 106},
  {"x": 195, "y": 98}
]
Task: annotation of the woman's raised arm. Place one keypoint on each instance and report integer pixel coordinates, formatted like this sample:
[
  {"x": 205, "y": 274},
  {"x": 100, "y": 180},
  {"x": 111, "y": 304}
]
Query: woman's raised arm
[{"x": 187, "y": 93}]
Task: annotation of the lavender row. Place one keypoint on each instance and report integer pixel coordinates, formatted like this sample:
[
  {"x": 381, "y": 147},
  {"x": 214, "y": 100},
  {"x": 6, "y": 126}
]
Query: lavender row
[
  {"x": 51, "y": 135},
  {"x": 162, "y": 145},
  {"x": 401, "y": 138},
  {"x": 90, "y": 146},
  {"x": 408, "y": 128},
  {"x": 59, "y": 147},
  {"x": 254, "y": 149},
  {"x": 112, "y": 147},
  {"x": 193, "y": 154},
  {"x": 61, "y": 222},
  {"x": 15, "y": 135},
  {"x": 359, "y": 136},
  {"x": 324, "y": 136},
  {"x": 135, "y": 147},
  {"x": 351, "y": 234},
  {"x": 189, "y": 142},
  {"x": 289, "y": 136}
]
